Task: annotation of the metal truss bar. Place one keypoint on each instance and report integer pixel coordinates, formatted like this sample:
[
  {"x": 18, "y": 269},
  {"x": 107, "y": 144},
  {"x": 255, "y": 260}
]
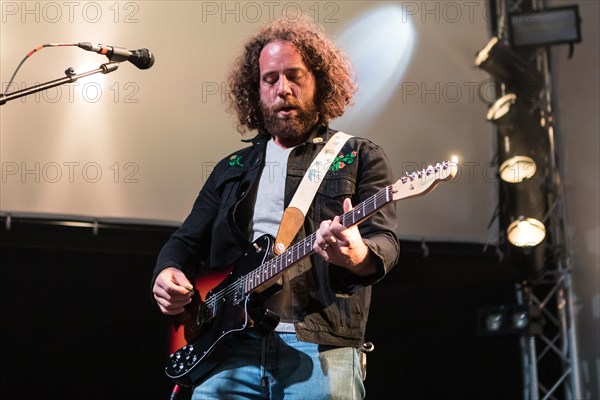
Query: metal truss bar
[
  {"x": 545, "y": 310},
  {"x": 547, "y": 392},
  {"x": 558, "y": 351},
  {"x": 553, "y": 291},
  {"x": 530, "y": 377},
  {"x": 558, "y": 382}
]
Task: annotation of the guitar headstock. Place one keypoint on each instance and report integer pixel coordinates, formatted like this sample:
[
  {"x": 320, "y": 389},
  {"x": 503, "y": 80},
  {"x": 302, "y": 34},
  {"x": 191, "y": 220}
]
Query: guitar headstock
[{"x": 423, "y": 181}]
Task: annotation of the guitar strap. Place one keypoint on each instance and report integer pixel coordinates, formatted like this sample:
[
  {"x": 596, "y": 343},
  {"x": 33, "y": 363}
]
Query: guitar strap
[{"x": 294, "y": 214}]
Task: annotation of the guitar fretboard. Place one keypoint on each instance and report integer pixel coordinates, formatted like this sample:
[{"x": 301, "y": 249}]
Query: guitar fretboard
[{"x": 304, "y": 248}]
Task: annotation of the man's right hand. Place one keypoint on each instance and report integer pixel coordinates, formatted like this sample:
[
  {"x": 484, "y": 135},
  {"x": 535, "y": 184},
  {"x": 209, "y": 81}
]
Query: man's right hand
[{"x": 172, "y": 291}]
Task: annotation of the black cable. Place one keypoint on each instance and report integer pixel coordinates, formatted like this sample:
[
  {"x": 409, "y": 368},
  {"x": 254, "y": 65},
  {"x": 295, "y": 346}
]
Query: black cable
[{"x": 32, "y": 52}]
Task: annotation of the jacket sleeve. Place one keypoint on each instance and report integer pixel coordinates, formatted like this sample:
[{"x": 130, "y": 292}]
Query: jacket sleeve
[
  {"x": 188, "y": 247},
  {"x": 379, "y": 231}
]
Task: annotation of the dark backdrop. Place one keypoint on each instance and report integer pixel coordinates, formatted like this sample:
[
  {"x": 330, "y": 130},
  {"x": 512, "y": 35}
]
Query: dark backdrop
[{"x": 78, "y": 319}]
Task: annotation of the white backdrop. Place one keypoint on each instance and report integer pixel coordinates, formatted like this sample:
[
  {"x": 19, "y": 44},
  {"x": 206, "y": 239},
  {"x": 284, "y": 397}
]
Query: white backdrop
[{"x": 138, "y": 144}]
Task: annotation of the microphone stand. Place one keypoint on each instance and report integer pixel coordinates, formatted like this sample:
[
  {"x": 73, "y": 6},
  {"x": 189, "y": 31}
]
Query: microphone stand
[{"x": 70, "y": 78}]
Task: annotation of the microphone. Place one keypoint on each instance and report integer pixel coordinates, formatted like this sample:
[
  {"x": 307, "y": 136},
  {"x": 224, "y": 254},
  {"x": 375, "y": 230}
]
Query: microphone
[{"x": 141, "y": 58}]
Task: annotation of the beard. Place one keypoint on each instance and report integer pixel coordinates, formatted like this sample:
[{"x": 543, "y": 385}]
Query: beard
[{"x": 292, "y": 129}]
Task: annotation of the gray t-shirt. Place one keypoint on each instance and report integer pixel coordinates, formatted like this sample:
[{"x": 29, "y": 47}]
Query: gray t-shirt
[
  {"x": 268, "y": 208},
  {"x": 268, "y": 211}
]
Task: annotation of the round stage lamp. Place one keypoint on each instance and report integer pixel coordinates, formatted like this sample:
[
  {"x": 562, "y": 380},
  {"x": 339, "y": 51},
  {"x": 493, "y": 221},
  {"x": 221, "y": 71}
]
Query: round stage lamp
[
  {"x": 526, "y": 232},
  {"x": 517, "y": 168},
  {"x": 501, "y": 107},
  {"x": 493, "y": 322},
  {"x": 519, "y": 319}
]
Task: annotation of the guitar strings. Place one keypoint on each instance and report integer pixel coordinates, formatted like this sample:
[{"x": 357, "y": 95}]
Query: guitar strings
[{"x": 309, "y": 240}]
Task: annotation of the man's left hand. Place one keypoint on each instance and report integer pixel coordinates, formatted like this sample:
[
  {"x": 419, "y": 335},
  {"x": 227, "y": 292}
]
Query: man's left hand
[{"x": 343, "y": 246}]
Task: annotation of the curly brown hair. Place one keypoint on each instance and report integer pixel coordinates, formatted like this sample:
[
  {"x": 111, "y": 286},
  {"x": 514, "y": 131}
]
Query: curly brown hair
[{"x": 333, "y": 73}]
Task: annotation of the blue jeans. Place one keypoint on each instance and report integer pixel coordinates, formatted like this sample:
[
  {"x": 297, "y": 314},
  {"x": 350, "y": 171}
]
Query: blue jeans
[{"x": 279, "y": 366}]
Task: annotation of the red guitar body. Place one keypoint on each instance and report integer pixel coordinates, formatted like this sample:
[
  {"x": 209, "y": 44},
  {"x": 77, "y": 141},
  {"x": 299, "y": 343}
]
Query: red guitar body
[
  {"x": 221, "y": 312},
  {"x": 180, "y": 330}
]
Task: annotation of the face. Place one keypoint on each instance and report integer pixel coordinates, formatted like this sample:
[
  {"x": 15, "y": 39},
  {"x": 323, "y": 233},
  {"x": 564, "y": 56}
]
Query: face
[{"x": 287, "y": 93}]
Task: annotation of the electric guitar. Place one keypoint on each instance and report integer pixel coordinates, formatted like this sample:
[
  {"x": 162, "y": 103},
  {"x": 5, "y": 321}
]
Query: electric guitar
[{"x": 232, "y": 308}]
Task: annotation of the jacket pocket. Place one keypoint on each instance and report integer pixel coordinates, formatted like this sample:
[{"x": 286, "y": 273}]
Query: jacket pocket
[
  {"x": 336, "y": 186},
  {"x": 331, "y": 193}
]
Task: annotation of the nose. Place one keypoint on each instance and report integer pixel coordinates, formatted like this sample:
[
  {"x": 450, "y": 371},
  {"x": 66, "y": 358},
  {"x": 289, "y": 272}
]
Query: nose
[{"x": 284, "y": 87}]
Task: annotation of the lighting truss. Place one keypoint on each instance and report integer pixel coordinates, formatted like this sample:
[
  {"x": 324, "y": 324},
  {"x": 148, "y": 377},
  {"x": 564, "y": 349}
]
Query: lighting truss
[{"x": 549, "y": 356}]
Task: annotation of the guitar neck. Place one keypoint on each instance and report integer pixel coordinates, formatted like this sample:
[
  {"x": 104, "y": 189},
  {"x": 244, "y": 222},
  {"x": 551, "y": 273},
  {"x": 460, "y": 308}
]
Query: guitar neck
[{"x": 276, "y": 265}]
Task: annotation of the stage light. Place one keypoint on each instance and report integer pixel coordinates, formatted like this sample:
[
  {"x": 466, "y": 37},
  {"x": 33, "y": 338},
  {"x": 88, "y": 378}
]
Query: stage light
[
  {"x": 493, "y": 322},
  {"x": 511, "y": 319},
  {"x": 522, "y": 148},
  {"x": 550, "y": 26},
  {"x": 526, "y": 232},
  {"x": 523, "y": 209},
  {"x": 517, "y": 168},
  {"x": 510, "y": 68},
  {"x": 519, "y": 319}
]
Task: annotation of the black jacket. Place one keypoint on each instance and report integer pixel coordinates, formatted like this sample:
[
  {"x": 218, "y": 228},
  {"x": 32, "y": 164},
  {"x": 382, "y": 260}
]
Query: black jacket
[{"x": 331, "y": 304}]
